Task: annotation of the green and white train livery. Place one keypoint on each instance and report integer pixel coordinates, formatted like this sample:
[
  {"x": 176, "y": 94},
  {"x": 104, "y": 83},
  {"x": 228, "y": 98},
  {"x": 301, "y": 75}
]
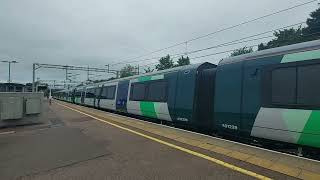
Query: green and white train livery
[
  {"x": 271, "y": 95},
  {"x": 151, "y": 104}
]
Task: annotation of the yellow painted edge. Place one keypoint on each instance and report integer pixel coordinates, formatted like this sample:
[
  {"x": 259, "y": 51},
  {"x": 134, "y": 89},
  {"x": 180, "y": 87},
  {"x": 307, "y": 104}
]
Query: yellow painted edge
[
  {"x": 219, "y": 162},
  {"x": 274, "y": 166}
]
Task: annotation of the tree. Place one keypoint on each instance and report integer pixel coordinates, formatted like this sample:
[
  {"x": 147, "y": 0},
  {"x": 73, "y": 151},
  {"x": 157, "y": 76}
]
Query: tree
[
  {"x": 126, "y": 71},
  {"x": 283, "y": 38},
  {"x": 241, "y": 51},
  {"x": 311, "y": 32},
  {"x": 165, "y": 63},
  {"x": 112, "y": 78},
  {"x": 182, "y": 61},
  {"x": 148, "y": 70},
  {"x": 296, "y": 35},
  {"x": 98, "y": 80}
]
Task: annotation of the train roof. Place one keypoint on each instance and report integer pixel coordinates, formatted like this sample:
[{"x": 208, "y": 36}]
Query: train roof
[
  {"x": 187, "y": 67},
  {"x": 306, "y": 46},
  {"x": 62, "y": 90}
]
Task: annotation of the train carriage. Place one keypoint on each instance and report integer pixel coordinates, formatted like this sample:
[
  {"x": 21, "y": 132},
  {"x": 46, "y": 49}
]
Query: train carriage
[
  {"x": 169, "y": 96},
  {"x": 106, "y": 96},
  {"x": 272, "y": 94},
  {"x": 78, "y": 93},
  {"x": 89, "y": 96},
  {"x": 266, "y": 95}
]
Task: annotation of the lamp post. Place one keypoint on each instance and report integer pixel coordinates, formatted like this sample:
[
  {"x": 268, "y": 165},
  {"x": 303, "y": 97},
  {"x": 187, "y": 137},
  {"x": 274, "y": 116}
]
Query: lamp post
[{"x": 9, "y": 62}]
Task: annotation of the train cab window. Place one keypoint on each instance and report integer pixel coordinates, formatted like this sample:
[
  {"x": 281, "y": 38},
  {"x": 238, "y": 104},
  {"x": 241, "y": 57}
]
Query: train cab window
[
  {"x": 308, "y": 88},
  {"x": 283, "y": 86},
  {"x": 137, "y": 92},
  {"x": 157, "y": 91}
]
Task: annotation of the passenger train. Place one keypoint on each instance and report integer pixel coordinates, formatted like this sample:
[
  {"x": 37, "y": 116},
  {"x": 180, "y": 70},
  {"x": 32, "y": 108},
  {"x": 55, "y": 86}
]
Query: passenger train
[{"x": 270, "y": 95}]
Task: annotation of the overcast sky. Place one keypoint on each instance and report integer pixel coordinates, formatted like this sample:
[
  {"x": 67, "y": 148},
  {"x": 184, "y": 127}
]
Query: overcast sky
[{"x": 99, "y": 32}]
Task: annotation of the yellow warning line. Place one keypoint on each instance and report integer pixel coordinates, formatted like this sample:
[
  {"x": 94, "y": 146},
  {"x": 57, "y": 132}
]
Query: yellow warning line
[{"x": 224, "y": 164}]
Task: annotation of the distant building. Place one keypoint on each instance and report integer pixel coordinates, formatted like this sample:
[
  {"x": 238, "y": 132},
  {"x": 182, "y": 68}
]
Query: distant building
[
  {"x": 12, "y": 87},
  {"x": 17, "y": 87}
]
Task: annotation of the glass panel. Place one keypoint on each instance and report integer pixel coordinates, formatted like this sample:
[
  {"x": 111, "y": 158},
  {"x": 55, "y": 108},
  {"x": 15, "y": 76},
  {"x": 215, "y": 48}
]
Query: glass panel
[
  {"x": 157, "y": 91},
  {"x": 138, "y": 91},
  {"x": 284, "y": 86},
  {"x": 309, "y": 85},
  {"x": 111, "y": 92},
  {"x": 104, "y": 93}
]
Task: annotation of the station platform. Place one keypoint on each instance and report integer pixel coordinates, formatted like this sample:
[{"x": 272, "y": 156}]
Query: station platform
[{"x": 76, "y": 142}]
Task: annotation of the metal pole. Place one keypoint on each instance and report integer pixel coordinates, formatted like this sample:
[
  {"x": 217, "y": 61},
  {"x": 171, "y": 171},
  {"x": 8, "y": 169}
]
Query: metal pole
[
  {"x": 66, "y": 74},
  {"x": 33, "y": 76},
  {"x": 9, "y": 72},
  {"x": 88, "y": 74},
  {"x": 186, "y": 51},
  {"x": 65, "y": 85}
]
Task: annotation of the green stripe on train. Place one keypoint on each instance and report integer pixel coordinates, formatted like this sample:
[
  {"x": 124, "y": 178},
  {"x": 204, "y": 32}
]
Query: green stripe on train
[
  {"x": 301, "y": 56},
  {"x": 150, "y": 78},
  {"x": 291, "y": 125},
  {"x": 310, "y": 135},
  {"x": 306, "y": 123},
  {"x": 77, "y": 100},
  {"x": 148, "y": 109}
]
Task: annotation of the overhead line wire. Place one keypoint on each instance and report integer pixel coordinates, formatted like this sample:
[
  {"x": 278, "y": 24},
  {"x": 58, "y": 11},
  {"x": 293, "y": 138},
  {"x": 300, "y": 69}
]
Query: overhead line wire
[
  {"x": 233, "y": 42},
  {"x": 219, "y": 45},
  {"x": 224, "y": 29}
]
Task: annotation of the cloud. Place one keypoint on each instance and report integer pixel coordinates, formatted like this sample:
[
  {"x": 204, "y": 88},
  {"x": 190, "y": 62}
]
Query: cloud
[{"x": 100, "y": 32}]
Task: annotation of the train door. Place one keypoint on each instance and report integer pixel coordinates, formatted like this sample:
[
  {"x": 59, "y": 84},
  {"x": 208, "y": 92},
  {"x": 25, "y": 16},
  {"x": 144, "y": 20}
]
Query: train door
[
  {"x": 252, "y": 91},
  {"x": 122, "y": 96},
  {"x": 98, "y": 96},
  {"x": 73, "y": 95},
  {"x": 228, "y": 92},
  {"x": 205, "y": 99},
  {"x": 83, "y": 94},
  {"x": 95, "y": 97}
]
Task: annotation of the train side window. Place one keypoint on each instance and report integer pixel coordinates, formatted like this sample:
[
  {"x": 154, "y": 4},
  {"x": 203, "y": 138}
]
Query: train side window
[
  {"x": 104, "y": 93},
  {"x": 283, "y": 86},
  {"x": 308, "y": 89},
  {"x": 157, "y": 91},
  {"x": 90, "y": 93},
  {"x": 97, "y": 92},
  {"x": 137, "y": 92},
  {"x": 111, "y": 92},
  {"x": 108, "y": 92}
]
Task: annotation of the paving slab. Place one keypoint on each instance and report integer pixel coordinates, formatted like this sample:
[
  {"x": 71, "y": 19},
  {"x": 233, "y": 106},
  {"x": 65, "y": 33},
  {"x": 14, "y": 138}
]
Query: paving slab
[
  {"x": 277, "y": 162},
  {"x": 32, "y": 152}
]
